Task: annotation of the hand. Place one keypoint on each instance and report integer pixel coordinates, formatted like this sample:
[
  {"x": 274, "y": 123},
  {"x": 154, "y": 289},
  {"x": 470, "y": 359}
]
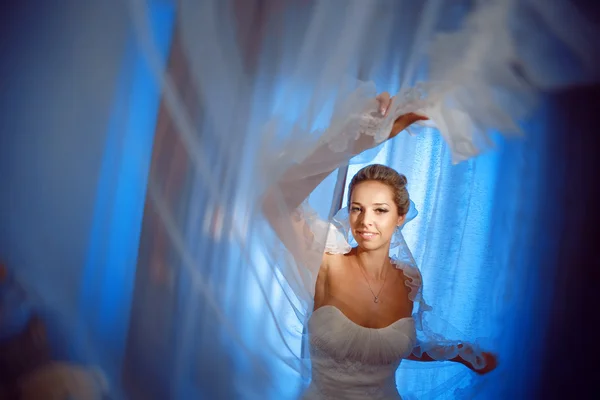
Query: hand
[
  {"x": 403, "y": 121},
  {"x": 491, "y": 362}
]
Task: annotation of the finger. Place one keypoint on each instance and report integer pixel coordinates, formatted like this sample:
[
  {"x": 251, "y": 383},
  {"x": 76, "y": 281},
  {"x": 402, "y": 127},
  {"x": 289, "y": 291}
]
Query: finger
[
  {"x": 384, "y": 102},
  {"x": 386, "y": 111}
]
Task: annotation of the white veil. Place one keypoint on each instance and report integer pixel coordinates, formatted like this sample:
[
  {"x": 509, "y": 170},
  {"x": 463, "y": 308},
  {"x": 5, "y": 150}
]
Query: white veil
[
  {"x": 479, "y": 77},
  {"x": 249, "y": 89}
]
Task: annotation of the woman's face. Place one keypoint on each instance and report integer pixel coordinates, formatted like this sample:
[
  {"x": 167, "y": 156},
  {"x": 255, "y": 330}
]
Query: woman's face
[{"x": 373, "y": 214}]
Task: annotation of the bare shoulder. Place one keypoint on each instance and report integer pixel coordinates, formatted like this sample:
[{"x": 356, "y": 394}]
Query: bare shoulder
[
  {"x": 336, "y": 262},
  {"x": 330, "y": 265},
  {"x": 335, "y": 259}
]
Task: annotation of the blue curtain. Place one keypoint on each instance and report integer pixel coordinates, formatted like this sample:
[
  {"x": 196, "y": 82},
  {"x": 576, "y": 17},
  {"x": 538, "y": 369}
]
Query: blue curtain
[
  {"x": 109, "y": 272},
  {"x": 78, "y": 117}
]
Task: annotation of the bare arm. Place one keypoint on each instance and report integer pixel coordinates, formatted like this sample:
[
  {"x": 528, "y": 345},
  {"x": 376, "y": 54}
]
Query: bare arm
[
  {"x": 490, "y": 359},
  {"x": 281, "y": 204},
  {"x": 296, "y": 184}
]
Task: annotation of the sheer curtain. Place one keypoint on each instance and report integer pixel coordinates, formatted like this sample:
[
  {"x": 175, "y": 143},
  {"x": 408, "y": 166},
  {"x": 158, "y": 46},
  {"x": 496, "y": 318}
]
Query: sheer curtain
[
  {"x": 235, "y": 316},
  {"x": 133, "y": 194}
]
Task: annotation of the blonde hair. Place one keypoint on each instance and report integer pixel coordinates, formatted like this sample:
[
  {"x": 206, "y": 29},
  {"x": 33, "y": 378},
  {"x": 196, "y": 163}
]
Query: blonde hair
[{"x": 388, "y": 176}]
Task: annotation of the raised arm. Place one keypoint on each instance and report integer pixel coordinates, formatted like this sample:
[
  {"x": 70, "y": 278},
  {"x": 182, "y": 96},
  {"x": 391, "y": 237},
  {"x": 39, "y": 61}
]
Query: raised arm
[{"x": 300, "y": 230}]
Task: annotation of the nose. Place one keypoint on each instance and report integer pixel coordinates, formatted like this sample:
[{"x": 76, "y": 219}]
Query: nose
[{"x": 366, "y": 218}]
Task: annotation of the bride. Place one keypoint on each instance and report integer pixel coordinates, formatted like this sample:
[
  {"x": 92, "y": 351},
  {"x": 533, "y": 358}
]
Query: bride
[{"x": 363, "y": 322}]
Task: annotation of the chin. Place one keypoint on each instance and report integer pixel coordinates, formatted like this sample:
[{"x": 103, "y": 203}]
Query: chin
[{"x": 370, "y": 244}]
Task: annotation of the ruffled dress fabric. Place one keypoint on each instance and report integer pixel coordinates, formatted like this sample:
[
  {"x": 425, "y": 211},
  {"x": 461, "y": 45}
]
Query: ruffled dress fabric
[{"x": 354, "y": 362}]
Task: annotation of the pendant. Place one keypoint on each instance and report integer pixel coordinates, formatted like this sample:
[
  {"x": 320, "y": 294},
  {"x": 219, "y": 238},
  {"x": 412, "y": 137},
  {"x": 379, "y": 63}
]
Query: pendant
[{"x": 376, "y": 299}]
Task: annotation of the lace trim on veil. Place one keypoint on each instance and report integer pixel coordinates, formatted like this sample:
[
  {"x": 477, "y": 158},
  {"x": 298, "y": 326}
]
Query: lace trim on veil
[
  {"x": 446, "y": 106},
  {"x": 337, "y": 240}
]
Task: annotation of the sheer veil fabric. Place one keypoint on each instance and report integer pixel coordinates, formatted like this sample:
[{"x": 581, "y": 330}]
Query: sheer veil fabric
[
  {"x": 471, "y": 75},
  {"x": 273, "y": 84}
]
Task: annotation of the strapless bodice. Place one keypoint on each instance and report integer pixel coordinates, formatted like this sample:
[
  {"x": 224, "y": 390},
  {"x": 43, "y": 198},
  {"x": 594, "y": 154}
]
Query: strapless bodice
[{"x": 352, "y": 362}]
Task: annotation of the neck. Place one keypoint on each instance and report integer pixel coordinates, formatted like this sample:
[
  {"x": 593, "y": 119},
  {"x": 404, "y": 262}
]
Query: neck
[{"x": 374, "y": 261}]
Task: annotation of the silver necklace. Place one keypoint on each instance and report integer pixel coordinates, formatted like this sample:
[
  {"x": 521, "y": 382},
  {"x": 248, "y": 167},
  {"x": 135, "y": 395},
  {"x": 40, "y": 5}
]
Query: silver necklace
[{"x": 375, "y": 296}]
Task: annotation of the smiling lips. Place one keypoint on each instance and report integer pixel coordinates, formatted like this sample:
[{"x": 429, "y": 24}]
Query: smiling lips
[{"x": 367, "y": 235}]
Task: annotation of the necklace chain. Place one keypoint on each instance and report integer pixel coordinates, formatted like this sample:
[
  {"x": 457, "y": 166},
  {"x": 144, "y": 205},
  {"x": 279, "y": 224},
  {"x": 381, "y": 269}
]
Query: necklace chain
[{"x": 375, "y": 296}]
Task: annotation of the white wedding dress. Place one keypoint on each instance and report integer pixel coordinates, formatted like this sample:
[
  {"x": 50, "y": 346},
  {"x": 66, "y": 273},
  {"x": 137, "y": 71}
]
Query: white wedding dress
[{"x": 350, "y": 361}]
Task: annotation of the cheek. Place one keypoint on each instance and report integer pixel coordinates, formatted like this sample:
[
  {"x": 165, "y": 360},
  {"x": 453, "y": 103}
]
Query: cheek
[
  {"x": 354, "y": 222},
  {"x": 387, "y": 226}
]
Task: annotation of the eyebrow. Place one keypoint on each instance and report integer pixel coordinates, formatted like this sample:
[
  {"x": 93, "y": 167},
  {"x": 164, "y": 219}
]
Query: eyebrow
[{"x": 374, "y": 204}]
